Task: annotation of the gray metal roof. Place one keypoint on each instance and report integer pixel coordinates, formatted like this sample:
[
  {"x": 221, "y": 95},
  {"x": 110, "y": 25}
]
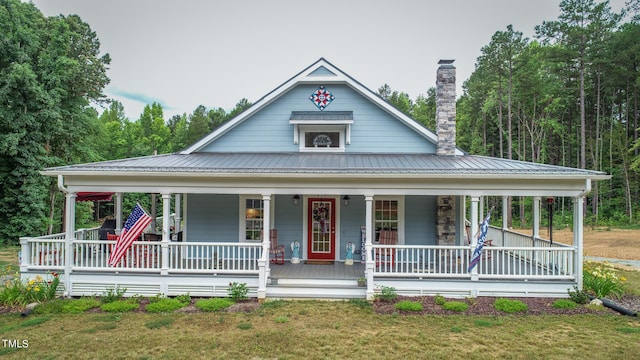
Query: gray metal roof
[
  {"x": 325, "y": 163},
  {"x": 321, "y": 115}
]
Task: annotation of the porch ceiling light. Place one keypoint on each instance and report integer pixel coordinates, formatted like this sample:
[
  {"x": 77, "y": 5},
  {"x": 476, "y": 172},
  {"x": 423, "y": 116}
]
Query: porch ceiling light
[
  {"x": 295, "y": 199},
  {"x": 346, "y": 199}
]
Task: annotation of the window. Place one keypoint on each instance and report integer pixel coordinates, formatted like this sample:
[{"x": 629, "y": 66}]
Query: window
[
  {"x": 388, "y": 214},
  {"x": 253, "y": 218},
  {"x": 322, "y": 139}
]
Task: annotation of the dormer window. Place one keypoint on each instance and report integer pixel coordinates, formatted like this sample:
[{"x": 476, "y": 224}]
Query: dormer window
[{"x": 324, "y": 132}]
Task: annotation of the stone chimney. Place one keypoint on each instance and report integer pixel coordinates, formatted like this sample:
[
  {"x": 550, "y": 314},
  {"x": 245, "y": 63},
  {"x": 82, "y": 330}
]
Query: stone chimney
[
  {"x": 446, "y": 107},
  {"x": 446, "y": 131}
]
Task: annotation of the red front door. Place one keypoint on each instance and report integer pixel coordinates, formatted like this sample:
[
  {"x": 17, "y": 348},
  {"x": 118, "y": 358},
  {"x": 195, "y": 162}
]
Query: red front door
[{"x": 321, "y": 233}]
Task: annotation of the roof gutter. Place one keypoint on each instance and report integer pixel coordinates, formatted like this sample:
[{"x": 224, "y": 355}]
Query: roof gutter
[
  {"x": 61, "y": 185},
  {"x": 587, "y": 188}
]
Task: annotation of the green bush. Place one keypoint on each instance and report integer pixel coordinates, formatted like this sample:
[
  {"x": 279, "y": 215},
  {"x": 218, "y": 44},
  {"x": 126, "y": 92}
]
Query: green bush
[
  {"x": 112, "y": 294},
  {"x": 238, "y": 291},
  {"x": 458, "y": 306},
  {"x": 214, "y": 304},
  {"x": 120, "y": 306},
  {"x": 184, "y": 299},
  {"x": 564, "y": 304},
  {"x": 440, "y": 300},
  {"x": 387, "y": 293},
  {"x": 165, "y": 305},
  {"x": 510, "y": 306},
  {"x": 408, "y": 305},
  {"x": 579, "y": 296},
  {"x": 20, "y": 293},
  {"x": 601, "y": 279}
]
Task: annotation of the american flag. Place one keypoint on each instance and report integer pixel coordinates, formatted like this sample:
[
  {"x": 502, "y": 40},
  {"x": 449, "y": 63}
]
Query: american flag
[
  {"x": 484, "y": 228},
  {"x": 135, "y": 224}
]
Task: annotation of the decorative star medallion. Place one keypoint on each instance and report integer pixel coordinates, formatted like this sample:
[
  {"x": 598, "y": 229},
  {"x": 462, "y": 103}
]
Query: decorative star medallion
[{"x": 321, "y": 97}]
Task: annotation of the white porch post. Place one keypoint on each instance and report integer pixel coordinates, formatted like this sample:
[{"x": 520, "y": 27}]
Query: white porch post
[
  {"x": 118, "y": 212},
  {"x": 370, "y": 261},
  {"x": 70, "y": 224},
  {"x": 536, "y": 217},
  {"x": 178, "y": 217},
  {"x": 166, "y": 231},
  {"x": 474, "y": 232},
  {"x": 578, "y": 213},
  {"x": 505, "y": 218},
  {"x": 263, "y": 263},
  {"x": 462, "y": 215}
]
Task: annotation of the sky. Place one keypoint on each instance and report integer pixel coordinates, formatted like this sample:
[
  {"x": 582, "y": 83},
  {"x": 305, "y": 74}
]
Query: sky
[{"x": 186, "y": 53}]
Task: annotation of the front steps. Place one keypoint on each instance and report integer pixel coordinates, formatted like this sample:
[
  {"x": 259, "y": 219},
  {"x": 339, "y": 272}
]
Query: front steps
[{"x": 289, "y": 288}]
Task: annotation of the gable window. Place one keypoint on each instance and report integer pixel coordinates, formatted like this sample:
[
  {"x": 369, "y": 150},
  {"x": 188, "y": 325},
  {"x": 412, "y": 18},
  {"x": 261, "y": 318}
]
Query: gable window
[{"x": 322, "y": 131}]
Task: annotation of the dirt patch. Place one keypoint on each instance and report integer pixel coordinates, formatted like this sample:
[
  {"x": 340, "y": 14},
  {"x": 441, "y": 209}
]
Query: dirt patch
[
  {"x": 484, "y": 306},
  {"x": 600, "y": 242}
]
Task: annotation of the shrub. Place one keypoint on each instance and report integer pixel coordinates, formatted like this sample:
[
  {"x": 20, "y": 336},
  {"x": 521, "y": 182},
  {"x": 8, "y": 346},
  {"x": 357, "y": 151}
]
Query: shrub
[
  {"x": 184, "y": 299},
  {"x": 214, "y": 304},
  {"x": 601, "y": 280},
  {"x": 578, "y": 296},
  {"x": 387, "y": 293},
  {"x": 112, "y": 294},
  {"x": 458, "y": 306},
  {"x": 510, "y": 306},
  {"x": 409, "y": 306},
  {"x": 164, "y": 305},
  {"x": 238, "y": 291},
  {"x": 66, "y": 306},
  {"x": 37, "y": 289},
  {"x": 119, "y": 306},
  {"x": 440, "y": 300},
  {"x": 564, "y": 304}
]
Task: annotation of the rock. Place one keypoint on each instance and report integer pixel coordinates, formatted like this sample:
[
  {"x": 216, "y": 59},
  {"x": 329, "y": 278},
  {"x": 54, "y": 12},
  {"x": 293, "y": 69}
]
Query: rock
[{"x": 597, "y": 302}]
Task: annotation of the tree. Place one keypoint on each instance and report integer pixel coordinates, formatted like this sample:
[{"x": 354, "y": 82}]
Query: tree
[{"x": 50, "y": 71}]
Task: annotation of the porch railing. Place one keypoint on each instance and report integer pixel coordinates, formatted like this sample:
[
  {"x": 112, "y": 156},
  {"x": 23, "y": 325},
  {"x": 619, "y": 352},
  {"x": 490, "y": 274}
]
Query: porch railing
[
  {"x": 49, "y": 252},
  {"x": 506, "y": 262}
]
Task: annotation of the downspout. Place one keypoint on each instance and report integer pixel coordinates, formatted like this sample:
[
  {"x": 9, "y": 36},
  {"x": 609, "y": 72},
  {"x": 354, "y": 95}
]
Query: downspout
[{"x": 578, "y": 236}]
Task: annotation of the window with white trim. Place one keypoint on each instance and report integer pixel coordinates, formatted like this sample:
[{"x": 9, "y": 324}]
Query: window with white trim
[
  {"x": 322, "y": 138},
  {"x": 253, "y": 218},
  {"x": 388, "y": 214}
]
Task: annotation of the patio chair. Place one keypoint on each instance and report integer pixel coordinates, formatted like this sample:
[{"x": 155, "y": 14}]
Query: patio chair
[
  {"x": 386, "y": 255},
  {"x": 276, "y": 252}
]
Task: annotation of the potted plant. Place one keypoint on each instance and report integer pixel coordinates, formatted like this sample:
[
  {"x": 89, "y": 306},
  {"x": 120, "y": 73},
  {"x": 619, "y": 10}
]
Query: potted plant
[{"x": 362, "y": 282}]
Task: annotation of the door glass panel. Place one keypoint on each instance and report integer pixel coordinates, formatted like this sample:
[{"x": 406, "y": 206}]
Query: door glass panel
[{"x": 321, "y": 227}]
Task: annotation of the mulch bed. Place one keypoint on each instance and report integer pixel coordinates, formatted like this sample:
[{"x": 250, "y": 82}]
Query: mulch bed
[
  {"x": 477, "y": 306},
  {"x": 484, "y": 306}
]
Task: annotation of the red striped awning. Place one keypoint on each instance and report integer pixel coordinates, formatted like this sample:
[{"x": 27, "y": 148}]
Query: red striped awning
[{"x": 94, "y": 196}]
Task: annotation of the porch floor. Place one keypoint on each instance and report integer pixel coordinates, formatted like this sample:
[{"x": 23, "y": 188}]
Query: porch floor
[{"x": 338, "y": 270}]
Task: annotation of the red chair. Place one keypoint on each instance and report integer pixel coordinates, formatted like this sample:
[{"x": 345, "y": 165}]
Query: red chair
[
  {"x": 386, "y": 255},
  {"x": 276, "y": 252}
]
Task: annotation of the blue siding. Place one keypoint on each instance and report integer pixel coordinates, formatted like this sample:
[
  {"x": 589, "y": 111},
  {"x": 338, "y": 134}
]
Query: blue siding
[
  {"x": 352, "y": 217},
  {"x": 288, "y": 220},
  {"x": 322, "y": 71},
  {"x": 420, "y": 220},
  {"x": 373, "y": 130},
  {"x": 212, "y": 218}
]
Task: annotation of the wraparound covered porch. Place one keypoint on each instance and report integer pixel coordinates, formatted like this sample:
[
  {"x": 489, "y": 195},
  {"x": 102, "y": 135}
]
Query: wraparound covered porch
[{"x": 516, "y": 265}]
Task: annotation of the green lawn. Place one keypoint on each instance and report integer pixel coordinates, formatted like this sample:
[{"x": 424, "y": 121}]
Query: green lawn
[{"x": 318, "y": 330}]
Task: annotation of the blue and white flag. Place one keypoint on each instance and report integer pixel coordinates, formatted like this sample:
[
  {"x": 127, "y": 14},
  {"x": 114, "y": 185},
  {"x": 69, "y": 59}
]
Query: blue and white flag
[{"x": 482, "y": 237}]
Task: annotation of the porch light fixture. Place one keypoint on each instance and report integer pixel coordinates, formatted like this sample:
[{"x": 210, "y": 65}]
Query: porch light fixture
[
  {"x": 295, "y": 199},
  {"x": 346, "y": 199}
]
